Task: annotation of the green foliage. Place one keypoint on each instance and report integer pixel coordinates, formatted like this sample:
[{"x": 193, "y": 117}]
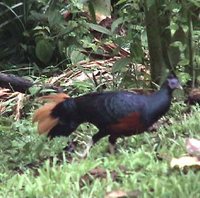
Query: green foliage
[
  {"x": 120, "y": 64},
  {"x": 185, "y": 36},
  {"x": 103, "y": 7},
  {"x": 45, "y": 37},
  {"x": 39, "y": 34},
  {"x": 100, "y": 29},
  {"x": 53, "y": 33},
  {"x": 44, "y": 51}
]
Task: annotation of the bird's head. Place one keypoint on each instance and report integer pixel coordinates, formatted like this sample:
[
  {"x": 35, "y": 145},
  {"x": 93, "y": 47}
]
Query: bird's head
[{"x": 172, "y": 82}]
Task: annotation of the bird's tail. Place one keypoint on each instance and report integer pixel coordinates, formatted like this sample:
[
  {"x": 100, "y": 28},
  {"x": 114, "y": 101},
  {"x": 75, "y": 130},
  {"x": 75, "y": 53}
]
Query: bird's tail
[{"x": 45, "y": 114}]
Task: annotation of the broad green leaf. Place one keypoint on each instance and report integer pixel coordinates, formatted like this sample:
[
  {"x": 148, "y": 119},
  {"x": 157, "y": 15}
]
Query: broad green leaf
[
  {"x": 103, "y": 6},
  {"x": 120, "y": 64},
  {"x": 34, "y": 90},
  {"x": 183, "y": 62},
  {"x": 195, "y": 2},
  {"x": 137, "y": 51},
  {"x": 99, "y": 28},
  {"x": 185, "y": 28},
  {"x": 150, "y": 3},
  {"x": 121, "y": 2},
  {"x": 92, "y": 11},
  {"x": 116, "y": 23},
  {"x": 44, "y": 50},
  {"x": 173, "y": 27},
  {"x": 197, "y": 59},
  {"x": 76, "y": 56},
  {"x": 184, "y": 77},
  {"x": 179, "y": 45},
  {"x": 54, "y": 18},
  {"x": 176, "y": 44},
  {"x": 37, "y": 16}
]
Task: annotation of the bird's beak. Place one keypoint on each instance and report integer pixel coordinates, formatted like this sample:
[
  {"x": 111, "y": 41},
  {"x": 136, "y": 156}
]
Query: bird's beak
[{"x": 180, "y": 87}]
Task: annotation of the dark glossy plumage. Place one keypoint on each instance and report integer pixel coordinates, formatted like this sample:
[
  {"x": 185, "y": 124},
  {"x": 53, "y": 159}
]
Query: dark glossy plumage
[{"x": 115, "y": 114}]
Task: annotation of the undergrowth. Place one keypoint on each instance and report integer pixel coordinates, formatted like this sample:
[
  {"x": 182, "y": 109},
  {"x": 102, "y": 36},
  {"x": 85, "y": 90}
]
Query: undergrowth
[{"x": 32, "y": 166}]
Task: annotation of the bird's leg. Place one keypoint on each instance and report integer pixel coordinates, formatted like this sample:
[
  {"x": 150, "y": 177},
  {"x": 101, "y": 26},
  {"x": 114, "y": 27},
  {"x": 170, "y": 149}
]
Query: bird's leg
[
  {"x": 95, "y": 138},
  {"x": 86, "y": 151},
  {"x": 112, "y": 148},
  {"x": 112, "y": 141}
]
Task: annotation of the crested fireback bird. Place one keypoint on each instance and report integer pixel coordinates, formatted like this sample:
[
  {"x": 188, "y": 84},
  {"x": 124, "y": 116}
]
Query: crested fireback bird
[{"x": 114, "y": 113}]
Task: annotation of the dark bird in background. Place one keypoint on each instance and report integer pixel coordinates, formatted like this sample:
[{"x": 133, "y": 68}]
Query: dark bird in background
[{"x": 114, "y": 113}]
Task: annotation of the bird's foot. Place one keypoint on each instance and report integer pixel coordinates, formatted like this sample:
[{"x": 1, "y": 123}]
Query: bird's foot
[
  {"x": 70, "y": 148},
  {"x": 112, "y": 148},
  {"x": 86, "y": 151},
  {"x": 82, "y": 155}
]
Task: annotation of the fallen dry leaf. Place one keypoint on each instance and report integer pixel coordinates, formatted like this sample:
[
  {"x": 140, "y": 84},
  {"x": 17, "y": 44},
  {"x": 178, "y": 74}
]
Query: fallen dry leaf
[
  {"x": 193, "y": 149},
  {"x": 186, "y": 161},
  {"x": 122, "y": 194},
  {"x": 99, "y": 173},
  {"x": 193, "y": 146},
  {"x": 19, "y": 105},
  {"x": 116, "y": 194},
  {"x": 4, "y": 92},
  {"x": 2, "y": 109},
  {"x": 11, "y": 102}
]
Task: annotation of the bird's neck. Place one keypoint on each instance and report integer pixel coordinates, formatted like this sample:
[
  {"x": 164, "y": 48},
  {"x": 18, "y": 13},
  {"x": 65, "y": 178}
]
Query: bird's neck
[{"x": 158, "y": 104}]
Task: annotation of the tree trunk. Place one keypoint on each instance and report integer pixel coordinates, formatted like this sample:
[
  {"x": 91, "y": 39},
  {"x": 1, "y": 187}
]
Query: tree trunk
[
  {"x": 154, "y": 41},
  {"x": 165, "y": 32}
]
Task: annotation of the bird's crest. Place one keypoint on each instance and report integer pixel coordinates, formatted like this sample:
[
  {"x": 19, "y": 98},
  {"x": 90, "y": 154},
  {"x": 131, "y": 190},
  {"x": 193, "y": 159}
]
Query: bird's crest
[{"x": 43, "y": 115}]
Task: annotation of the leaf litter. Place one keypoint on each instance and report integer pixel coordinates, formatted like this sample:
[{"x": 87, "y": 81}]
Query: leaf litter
[{"x": 192, "y": 159}]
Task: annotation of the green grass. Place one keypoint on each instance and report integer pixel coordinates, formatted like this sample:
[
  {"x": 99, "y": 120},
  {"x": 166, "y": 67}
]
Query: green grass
[{"x": 32, "y": 166}]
